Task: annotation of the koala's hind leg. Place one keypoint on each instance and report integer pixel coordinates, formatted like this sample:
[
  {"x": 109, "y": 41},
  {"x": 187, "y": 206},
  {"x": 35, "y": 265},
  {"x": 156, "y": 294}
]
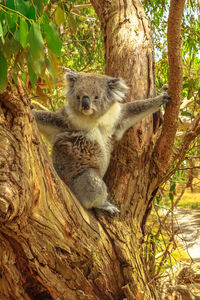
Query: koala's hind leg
[{"x": 91, "y": 191}]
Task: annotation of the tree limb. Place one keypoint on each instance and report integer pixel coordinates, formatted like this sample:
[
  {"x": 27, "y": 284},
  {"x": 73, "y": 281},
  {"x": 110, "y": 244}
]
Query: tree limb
[{"x": 164, "y": 145}]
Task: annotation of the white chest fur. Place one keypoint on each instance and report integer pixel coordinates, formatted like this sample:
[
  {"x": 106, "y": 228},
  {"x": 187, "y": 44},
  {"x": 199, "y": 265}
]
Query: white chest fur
[
  {"x": 102, "y": 133},
  {"x": 98, "y": 130},
  {"x": 103, "y": 126}
]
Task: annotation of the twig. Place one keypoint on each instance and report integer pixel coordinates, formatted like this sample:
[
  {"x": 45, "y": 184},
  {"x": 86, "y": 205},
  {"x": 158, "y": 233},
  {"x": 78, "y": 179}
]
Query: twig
[
  {"x": 81, "y": 6},
  {"x": 184, "y": 291}
]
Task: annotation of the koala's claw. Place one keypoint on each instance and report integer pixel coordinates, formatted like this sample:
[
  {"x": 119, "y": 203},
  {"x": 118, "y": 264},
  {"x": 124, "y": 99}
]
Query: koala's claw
[
  {"x": 112, "y": 209},
  {"x": 166, "y": 98},
  {"x": 165, "y": 87}
]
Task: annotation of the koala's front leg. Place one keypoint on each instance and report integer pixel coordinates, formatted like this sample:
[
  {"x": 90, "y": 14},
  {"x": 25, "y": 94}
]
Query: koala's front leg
[
  {"x": 49, "y": 123},
  {"x": 135, "y": 111},
  {"x": 91, "y": 191}
]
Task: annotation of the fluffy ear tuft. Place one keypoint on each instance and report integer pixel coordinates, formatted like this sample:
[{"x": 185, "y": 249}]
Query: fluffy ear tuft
[
  {"x": 118, "y": 88},
  {"x": 71, "y": 78}
]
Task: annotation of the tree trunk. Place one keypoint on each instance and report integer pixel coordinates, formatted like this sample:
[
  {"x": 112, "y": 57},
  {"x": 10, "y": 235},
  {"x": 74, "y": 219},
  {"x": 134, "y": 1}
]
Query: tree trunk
[
  {"x": 50, "y": 246},
  {"x": 129, "y": 54}
]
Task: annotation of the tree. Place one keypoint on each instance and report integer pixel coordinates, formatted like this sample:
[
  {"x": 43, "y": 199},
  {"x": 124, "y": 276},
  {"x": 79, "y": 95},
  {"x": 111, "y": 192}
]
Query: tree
[{"x": 52, "y": 248}]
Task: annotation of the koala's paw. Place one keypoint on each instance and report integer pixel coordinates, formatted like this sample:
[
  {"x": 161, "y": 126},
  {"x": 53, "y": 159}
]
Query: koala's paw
[
  {"x": 112, "y": 209},
  {"x": 166, "y": 98},
  {"x": 165, "y": 87}
]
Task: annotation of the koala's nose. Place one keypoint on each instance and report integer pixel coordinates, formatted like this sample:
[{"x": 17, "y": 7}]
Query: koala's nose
[{"x": 85, "y": 102}]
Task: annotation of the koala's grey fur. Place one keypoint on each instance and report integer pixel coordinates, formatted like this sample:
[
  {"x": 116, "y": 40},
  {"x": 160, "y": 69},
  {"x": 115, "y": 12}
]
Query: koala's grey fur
[{"x": 83, "y": 131}]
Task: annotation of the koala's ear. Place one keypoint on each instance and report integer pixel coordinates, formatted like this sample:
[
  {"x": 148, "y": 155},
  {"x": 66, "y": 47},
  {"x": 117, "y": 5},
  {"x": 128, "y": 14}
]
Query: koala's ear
[
  {"x": 118, "y": 88},
  {"x": 71, "y": 78}
]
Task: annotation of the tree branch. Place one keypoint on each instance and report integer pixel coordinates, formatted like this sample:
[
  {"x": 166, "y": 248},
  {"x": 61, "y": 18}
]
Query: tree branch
[
  {"x": 184, "y": 291},
  {"x": 164, "y": 146}
]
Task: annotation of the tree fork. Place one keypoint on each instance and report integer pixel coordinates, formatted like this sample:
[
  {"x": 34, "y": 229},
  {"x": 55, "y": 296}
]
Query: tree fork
[{"x": 50, "y": 247}]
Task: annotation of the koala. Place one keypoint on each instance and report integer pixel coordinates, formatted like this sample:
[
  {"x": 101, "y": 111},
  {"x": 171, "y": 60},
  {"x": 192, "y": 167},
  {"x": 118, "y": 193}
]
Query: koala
[{"x": 83, "y": 132}]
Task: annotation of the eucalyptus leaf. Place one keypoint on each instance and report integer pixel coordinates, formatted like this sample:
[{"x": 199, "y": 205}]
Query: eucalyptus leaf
[
  {"x": 59, "y": 16},
  {"x": 23, "y": 32},
  {"x": 3, "y": 69},
  {"x": 32, "y": 75},
  {"x": 36, "y": 41},
  {"x": 1, "y": 33},
  {"x": 53, "y": 42}
]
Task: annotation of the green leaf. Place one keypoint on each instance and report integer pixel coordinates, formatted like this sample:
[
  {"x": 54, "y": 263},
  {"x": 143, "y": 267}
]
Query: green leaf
[
  {"x": 11, "y": 47},
  {"x": 45, "y": 18},
  {"x": 39, "y": 6},
  {"x": 50, "y": 68},
  {"x": 53, "y": 42},
  {"x": 180, "y": 120},
  {"x": 186, "y": 113},
  {"x": 173, "y": 186},
  {"x": 3, "y": 69},
  {"x": 12, "y": 20},
  {"x": 22, "y": 7},
  {"x": 10, "y": 4},
  {"x": 37, "y": 65},
  {"x": 17, "y": 35},
  {"x": 32, "y": 75},
  {"x": 1, "y": 33},
  {"x": 5, "y": 29},
  {"x": 59, "y": 16},
  {"x": 32, "y": 13},
  {"x": 36, "y": 41},
  {"x": 23, "y": 32}
]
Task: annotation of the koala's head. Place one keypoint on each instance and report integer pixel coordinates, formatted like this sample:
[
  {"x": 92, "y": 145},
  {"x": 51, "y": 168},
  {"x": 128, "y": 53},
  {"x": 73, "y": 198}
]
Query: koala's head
[{"x": 93, "y": 95}]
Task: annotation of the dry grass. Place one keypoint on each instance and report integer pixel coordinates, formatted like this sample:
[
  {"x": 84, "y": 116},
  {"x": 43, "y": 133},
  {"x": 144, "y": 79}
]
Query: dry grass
[{"x": 189, "y": 200}]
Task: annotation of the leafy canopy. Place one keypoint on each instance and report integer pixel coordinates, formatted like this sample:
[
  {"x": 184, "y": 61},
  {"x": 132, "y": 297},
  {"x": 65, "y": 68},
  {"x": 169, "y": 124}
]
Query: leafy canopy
[{"x": 39, "y": 38}]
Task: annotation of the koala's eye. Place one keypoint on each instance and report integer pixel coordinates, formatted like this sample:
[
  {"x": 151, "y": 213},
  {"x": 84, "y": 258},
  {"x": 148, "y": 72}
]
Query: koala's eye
[
  {"x": 78, "y": 97},
  {"x": 96, "y": 97}
]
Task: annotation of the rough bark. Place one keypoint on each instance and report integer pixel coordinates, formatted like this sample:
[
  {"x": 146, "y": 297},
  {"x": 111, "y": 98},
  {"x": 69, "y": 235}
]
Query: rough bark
[
  {"x": 50, "y": 247},
  {"x": 130, "y": 55},
  {"x": 37, "y": 232}
]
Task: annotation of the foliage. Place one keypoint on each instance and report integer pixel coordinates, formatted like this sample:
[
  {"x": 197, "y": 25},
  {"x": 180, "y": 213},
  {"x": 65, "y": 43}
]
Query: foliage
[
  {"x": 157, "y": 11},
  {"x": 40, "y": 39}
]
